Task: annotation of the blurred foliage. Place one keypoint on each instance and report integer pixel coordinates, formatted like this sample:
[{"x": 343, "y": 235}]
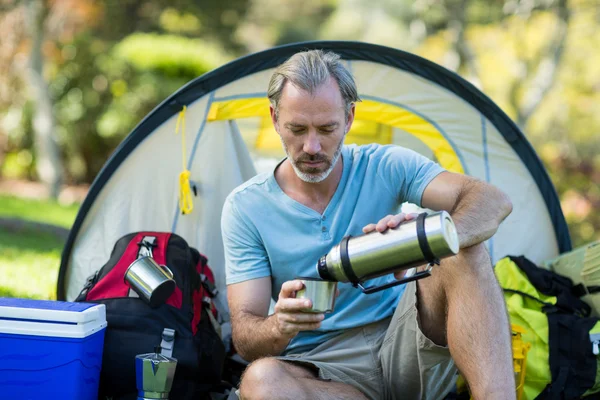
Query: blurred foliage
[
  {"x": 212, "y": 20},
  {"x": 169, "y": 55},
  {"x": 104, "y": 83},
  {"x": 564, "y": 130},
  {"x": 100, "y": 96},
  {"x": 109, "y": 63}
]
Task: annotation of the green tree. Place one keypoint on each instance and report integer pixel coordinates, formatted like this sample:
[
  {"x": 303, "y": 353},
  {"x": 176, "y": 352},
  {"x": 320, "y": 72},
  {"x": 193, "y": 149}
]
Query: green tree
[
  {"x": 107, "y": 65},
  {"x": 536, "y": 59}
]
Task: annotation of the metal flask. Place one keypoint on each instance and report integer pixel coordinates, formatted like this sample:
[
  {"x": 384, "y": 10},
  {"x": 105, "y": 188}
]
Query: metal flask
[
  {"x": 424, "y": 240},
  {"x": 154, "y": 375}
]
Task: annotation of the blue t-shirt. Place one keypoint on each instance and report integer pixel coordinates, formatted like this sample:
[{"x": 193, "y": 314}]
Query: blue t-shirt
[{"x": 267, "y": 233}]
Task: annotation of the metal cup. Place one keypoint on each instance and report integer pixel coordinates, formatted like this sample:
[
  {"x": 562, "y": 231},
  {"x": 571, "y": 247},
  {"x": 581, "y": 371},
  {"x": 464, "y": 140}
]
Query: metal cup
[
  {"x": 320, "y": 292},
  {"x": 152, "y": 282}
]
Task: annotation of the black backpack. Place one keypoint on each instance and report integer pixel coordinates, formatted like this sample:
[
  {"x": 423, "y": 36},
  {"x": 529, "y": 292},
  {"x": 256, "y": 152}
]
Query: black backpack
[
  {"x": 574, "y": 364},
  {"x": 136, "y": 328}
]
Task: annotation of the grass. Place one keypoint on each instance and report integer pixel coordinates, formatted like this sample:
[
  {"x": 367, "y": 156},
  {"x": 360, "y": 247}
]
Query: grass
[
  {"x": 46, "y": 211},
  {"x": 29, "y": 263},
  {"x": 30, "y": 259}
]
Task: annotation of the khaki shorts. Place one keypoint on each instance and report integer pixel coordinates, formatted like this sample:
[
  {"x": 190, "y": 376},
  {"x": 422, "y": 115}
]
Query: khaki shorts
[{"x": 389, "y": 359}]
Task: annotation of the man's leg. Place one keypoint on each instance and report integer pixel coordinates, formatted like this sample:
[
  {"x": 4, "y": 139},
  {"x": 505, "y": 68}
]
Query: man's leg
[
  {"x": 269, "y": 378},
  {"x": 343, "y": 367},
  {"x": 463, "y": 295}
]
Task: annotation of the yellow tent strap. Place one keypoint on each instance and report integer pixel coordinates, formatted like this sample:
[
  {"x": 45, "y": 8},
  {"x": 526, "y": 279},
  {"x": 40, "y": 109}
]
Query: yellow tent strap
[
  {"x": 368, "y": 111},
  {"x": 520, "y": 349},
  {"x": 185, "y": 194}
]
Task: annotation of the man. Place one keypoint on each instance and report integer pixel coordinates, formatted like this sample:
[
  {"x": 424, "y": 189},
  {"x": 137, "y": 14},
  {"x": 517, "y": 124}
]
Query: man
[{"x": 404, "y": 342}]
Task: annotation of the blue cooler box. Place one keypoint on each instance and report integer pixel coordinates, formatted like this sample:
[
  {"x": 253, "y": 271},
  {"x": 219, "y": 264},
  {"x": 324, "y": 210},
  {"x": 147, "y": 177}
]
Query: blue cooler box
[{"x": 50, "y": 349}]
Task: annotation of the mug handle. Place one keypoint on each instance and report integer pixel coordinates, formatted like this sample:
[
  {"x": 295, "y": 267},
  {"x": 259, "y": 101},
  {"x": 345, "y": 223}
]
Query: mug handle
[{"x": 169, "y": 272}]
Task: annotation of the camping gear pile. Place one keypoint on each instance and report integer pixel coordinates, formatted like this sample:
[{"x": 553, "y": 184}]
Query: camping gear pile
[
  {"x": 562, "y": 360},
  {"x": 223, "y": 116},
  {"x": 185, "y": 324}
]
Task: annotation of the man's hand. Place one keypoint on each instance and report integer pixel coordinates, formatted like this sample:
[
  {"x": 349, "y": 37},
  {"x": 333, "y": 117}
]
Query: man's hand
[
  {"x": 390, "y": 221},
  {"x": 288, "y": 311}
]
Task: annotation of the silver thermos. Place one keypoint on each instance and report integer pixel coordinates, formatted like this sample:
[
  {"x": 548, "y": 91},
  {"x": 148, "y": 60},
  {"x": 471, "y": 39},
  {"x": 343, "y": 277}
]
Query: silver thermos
[{"x": 424, "y": 240}]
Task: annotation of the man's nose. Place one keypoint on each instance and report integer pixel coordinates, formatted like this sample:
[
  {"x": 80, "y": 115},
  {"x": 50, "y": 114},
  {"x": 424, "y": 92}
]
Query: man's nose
[{"x": 312, "y": 145}]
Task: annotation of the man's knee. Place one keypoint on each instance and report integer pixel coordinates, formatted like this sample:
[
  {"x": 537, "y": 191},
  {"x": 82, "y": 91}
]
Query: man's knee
[
  {"x": 471, "y": 266},
  {"x": 264, "y": 378},
  {"x": 471, "y": 260},
  {"x": 259, "y": 378}
]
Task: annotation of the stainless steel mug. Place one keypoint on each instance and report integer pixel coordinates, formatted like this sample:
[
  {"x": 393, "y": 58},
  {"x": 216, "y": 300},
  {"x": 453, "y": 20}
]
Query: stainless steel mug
[
  {"x": 321, "y": 293},
  {"x": 152, "y": 282},
  {"x": 424, "y": 240},
  {"x": 154, "y": 374}
]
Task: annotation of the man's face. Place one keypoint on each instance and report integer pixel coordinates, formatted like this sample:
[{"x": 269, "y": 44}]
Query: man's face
[{"x": 312, "y": 128}]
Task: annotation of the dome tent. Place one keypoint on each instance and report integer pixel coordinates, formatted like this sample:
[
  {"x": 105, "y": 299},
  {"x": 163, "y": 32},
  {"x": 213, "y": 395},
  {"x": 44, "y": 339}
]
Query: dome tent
[{"x": 407, "y": 100}]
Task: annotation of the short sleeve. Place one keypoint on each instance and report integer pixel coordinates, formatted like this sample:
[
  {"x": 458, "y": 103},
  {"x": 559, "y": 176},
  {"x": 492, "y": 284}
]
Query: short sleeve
[
  {"x": 407, "y": 173},
  {"x": 245, "y": 254}
]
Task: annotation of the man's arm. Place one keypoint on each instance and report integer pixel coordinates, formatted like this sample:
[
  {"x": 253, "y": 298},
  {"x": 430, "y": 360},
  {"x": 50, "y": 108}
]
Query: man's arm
[
  {"x": 463, "y": 295},
  {"x": 476, "y": 207},
  {"x": 255, "y": 334}
]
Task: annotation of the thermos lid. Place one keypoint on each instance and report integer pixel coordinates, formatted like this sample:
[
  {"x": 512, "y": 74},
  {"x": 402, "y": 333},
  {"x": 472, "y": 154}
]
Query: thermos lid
[{"x": 449, "y": 232}]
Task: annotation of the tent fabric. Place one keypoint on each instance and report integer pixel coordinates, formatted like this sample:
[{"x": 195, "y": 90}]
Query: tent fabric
[{"x": 407, "y": 101}]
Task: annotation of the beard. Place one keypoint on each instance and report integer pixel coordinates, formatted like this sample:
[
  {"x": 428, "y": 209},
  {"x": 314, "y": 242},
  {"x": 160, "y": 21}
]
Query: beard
[{"x": 312, "y": 174}]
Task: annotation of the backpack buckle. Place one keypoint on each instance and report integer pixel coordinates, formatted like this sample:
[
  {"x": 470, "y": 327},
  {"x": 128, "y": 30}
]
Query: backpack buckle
[
  {"x": 146, "y": 246},
  {"x": 168, "y": 342},
  {"x": 90, "y": 282},
  {"x": 209, "y": 286}
]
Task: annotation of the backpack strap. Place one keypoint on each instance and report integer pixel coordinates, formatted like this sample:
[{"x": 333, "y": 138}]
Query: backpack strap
[
  {"x": 213, "y": 298},
  {"x": 555, "y": 389},
  {"x": 572, "y": 363},
  {"x": 552, "y": 284},
  {"x": 216, "y": 325}
]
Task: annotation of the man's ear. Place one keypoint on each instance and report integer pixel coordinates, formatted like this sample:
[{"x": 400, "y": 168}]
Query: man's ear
[
  {"x": 350, "y": 119},
  {"x": 274, "y": 118}
]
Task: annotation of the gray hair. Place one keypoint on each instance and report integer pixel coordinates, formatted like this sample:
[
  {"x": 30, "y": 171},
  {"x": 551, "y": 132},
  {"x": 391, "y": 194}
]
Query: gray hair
[{"x": 310, "y": 69}]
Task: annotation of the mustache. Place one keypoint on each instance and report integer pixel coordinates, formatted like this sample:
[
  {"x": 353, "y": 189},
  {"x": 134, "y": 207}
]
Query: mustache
[{"x": 312, "y": 158}]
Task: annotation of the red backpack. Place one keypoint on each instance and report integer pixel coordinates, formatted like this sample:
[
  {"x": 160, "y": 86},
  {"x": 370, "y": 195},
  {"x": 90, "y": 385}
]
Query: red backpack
[{"x": 136, "y": 328}]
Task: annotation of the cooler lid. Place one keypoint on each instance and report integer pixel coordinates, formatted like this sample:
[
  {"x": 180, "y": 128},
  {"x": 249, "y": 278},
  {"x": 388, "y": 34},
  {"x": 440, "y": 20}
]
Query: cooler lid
[{"x": 54, "y": 311}]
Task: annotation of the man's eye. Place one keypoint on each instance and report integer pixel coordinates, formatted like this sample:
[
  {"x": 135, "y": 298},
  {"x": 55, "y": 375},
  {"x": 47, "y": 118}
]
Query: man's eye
[
  {"x": 327, "y": 130},
  {"x": 297, "y": 130}
]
